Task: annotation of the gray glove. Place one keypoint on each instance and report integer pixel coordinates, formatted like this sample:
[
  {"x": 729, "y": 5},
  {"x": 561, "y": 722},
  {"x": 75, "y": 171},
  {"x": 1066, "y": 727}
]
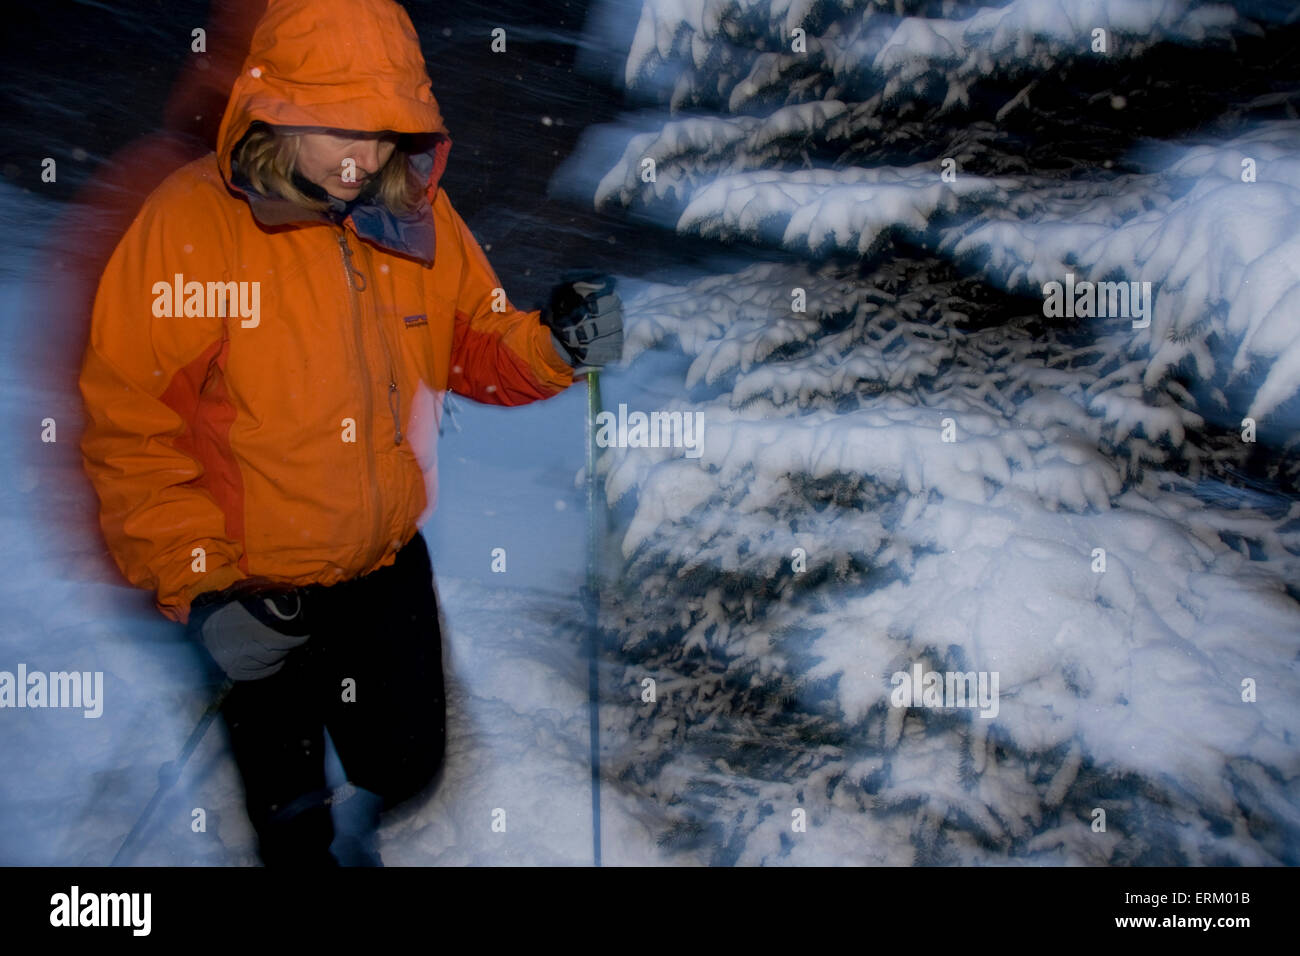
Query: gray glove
[
  {"x": 249, "y": 637},
  {"x": 585, "y": 316}
]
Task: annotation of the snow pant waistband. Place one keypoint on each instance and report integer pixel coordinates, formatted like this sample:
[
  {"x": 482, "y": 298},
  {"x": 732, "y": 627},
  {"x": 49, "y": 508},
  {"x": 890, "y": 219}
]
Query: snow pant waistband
[{"x": 410, "y": 573}]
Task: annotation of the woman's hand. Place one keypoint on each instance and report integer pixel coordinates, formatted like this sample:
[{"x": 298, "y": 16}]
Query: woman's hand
[
  {"x": 249, "y": 629},
  {"x": 585, "y": 316}
]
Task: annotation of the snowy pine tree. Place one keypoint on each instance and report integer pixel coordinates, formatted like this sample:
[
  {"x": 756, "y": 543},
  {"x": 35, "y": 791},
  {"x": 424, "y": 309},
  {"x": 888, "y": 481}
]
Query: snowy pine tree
[{"x": 909, "y": 459}]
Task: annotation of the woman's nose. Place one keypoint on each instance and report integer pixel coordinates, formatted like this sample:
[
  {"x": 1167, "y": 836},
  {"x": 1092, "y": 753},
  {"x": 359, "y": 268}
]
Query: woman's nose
[{"x": 366, "y": 156}]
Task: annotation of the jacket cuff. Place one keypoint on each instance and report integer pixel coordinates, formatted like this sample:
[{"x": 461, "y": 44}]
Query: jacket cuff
[
  {"x": 216, "y": 580},
  {"x": 553, "y": 355},
  {"x": 562, "y": 352}
]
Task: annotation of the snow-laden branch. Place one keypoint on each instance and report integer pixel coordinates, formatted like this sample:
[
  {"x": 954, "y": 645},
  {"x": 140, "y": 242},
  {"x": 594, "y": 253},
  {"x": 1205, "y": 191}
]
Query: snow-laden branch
[{"x": 743, "y": 49}]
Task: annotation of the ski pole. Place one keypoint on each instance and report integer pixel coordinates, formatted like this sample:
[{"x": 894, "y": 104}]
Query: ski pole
[
  {"x": 170, "y": 771},
  {"x": 593, "y": 609}
]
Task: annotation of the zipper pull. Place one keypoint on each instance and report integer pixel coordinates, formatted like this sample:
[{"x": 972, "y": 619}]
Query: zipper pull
[
  {"x": 354, "y": 275},
  {"x": 394, "y": 404}
]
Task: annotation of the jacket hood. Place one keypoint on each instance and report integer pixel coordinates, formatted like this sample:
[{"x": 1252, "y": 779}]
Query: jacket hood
[{"x": 340, "y": 64}]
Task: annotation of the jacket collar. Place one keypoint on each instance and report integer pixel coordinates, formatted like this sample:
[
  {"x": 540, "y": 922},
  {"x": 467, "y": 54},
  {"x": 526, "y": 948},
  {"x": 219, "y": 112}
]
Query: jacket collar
[{"x": 410, "y": 235}]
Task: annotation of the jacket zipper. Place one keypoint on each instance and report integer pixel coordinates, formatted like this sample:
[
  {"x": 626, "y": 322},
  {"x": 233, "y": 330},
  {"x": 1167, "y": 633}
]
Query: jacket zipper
[
  {"x": 357, "y": 282},
  {"x": 394, "y": 393}
]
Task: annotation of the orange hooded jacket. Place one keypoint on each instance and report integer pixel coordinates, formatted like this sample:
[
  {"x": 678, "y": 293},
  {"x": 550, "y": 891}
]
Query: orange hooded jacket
[{"x": 262, "y": 415}]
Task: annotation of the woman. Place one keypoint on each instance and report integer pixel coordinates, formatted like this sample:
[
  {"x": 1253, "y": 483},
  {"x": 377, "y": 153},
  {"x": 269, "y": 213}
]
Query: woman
[{"x": 267, "y": 338}]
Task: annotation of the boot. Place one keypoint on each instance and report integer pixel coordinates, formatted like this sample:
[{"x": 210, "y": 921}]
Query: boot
[{"x": 356, "y": 824}]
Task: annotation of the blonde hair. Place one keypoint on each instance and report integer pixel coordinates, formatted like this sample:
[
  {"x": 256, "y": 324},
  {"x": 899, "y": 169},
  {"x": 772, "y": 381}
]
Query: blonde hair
[{"x": 267, "y": 156}]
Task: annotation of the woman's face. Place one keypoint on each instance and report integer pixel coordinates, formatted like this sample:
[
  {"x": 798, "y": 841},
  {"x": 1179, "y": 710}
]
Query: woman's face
[{"x": 341, "y": 161}]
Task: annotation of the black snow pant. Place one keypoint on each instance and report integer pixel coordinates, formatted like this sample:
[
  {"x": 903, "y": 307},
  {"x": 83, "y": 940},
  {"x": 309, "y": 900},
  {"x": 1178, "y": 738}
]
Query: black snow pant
[{"x": 371, "y": 673}]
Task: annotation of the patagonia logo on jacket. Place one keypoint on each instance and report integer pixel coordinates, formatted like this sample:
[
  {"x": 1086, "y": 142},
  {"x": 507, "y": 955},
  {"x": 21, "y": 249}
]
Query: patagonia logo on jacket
[{"x": 413, "y": 320}]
